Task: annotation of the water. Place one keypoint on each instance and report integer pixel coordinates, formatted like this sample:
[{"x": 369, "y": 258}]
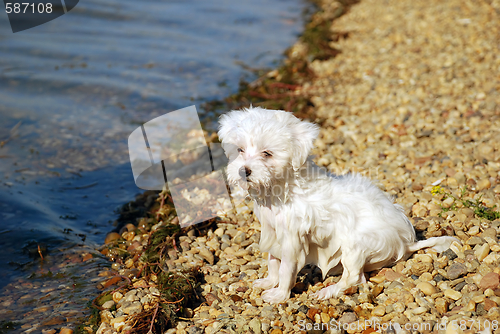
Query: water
[{"x": 72, "y": 90}]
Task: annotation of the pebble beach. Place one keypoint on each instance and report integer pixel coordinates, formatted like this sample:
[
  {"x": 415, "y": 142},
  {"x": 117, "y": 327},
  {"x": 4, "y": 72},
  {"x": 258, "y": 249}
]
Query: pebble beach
[{"x": 412, "y": 100}]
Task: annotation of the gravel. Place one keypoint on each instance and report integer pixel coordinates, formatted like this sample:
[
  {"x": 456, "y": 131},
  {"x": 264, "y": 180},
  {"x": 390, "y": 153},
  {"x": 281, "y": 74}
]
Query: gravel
[{"x": 413, "y": 102}]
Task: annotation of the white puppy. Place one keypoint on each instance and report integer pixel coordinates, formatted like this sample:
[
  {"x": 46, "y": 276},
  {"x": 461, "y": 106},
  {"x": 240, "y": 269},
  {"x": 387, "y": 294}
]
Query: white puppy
[{"x": 308, "y": 216}]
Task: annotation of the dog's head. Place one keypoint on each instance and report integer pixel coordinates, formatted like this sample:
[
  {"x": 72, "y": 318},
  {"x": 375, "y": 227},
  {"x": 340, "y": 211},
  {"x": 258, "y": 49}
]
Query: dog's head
[{"x": 263, "y": 144}]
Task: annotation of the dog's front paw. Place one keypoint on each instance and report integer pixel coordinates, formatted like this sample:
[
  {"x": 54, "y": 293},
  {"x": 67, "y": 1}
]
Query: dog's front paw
[
  {"x": 276, "y": 295},
  {"x": 265, "y": 283},
  {"x": 328, "y": 292}
]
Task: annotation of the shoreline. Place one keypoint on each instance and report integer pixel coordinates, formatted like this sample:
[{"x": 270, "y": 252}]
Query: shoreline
[{"x": 393, "y": 102}]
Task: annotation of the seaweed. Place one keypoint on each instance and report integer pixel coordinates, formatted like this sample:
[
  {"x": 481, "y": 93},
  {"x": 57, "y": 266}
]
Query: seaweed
[
  {"x": 178, "y": 291},
  {"x": 6, "y": 326}
]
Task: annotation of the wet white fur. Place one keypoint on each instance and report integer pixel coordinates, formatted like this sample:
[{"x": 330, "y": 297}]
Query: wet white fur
[{"x": 342, "y": 224}]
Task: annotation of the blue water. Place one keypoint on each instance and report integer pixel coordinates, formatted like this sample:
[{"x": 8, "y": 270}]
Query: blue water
[{"x": 77, "y": 86}]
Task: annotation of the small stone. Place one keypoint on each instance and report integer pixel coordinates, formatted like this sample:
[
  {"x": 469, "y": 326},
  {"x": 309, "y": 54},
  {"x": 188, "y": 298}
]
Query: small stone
[
  {"x": 128, "y": 236},
  {"x": 195, "y": 330},
  {"x": 104, "y": 328},
  {"x": 276, "y": 331},
  {"x": 480, "y": 309},
  {"x": 441, "y": 305},
  {"x": 494, "y": 313},
  {"x": 239, "y": 262},
  {"x": 489, "y": 304},
  {"x": 451, "y": 255},
  {"x": 427, "y": 288},
  {"x": 207, "y": 255},
  {"x": 426, "y": 277},
  {"x": 421, "y": 267},
  {"x": 399, "y": 307},
  {"x": 210, "y": 298},
  {"x": 250, "y": 310},
  {"x": 348, "y": 317},
  {"x": 213, "y": 244},
  {"x": 456, "y": 270},
  {"x": 475, "y": 241},
  {"x": 448, "y": 202},
  {"x": 390, "y": 274},
  {"x": 377, "y": 279},
  {"x": 219, "y": 232},
  {"x": 470, "y": 307},
  {"x": 452, "y": 182},
  {"x": 460, "y": 286},
  {"x": 325, "y": 317},
  {"x": 378, "y": 311},
  {"x": 482, "y": 251},
  {"x": 417, "y": 187},
  {"x": 131, "y": 307},
  {"x": 117, "y": 296},
  {"x": 490, "y": 281},
  {"x": 66, "y": 330},
  {"x": 112, "y": 236},
  {"x": 450, "y": 293},
  {"x": 255, "y": 325},
  {"x": 474, "y": 230},
  {"x": 491, "y": 258},
  {"x": 303, "y": 309},
  {"x": 419, "y": 310},
  {"x": 364, "y": 298},
  {"x": 269, "y": 312},
  {"x": 109, "y": 304},
  {"x": 312, "y": 312},
  {"x": 490, "y": 232},
  {"x": 483, "y": 184},
  {"x": 453, "y": 330},
  {"x": 118, "y": 322},
  {"x": 239, "y": 237},
  {"x": 420, "y": 224},
  {"x": 154, "y": 291},
  {"x": 377, "y": 289},
  {"x": 131, "y": 295},
  {"x": 438, "y": 278},
  {"x": 423, "y": 258},
  {"x": 485, "y": 149}
]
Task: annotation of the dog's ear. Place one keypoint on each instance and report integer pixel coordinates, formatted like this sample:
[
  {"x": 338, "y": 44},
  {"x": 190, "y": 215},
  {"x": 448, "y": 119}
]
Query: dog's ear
[
  {"x": 303, "y": 136},
  {"x": 226, "y": 126}
]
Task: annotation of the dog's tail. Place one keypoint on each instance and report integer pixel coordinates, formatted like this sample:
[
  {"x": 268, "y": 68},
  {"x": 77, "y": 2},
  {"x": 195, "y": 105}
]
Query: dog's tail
[{"x": 439, "y": 244}]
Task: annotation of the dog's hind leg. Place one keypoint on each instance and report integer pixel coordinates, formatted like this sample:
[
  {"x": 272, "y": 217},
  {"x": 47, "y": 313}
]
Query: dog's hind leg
[
  {"x": 439, "y": 244},
  {"x": 353, "y": 262},
  {"x": 272, "y": 279}
]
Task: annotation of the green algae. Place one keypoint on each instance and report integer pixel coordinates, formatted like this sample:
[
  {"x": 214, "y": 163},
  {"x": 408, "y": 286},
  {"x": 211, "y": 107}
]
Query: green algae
[{"x": 6, "y": 326}]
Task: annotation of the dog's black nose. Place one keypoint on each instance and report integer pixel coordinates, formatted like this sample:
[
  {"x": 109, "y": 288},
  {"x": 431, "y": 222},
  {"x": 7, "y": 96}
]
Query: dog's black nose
[{"x": 245, "y": 172}]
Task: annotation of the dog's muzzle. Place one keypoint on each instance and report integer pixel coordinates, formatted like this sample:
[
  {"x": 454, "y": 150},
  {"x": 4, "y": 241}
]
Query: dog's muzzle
[{"x": 244, "y": 172}]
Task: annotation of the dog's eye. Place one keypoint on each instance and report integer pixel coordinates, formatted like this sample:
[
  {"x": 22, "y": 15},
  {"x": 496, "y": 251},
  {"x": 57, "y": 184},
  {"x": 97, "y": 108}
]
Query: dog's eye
[
  {"x": 240, "y": 150},
  {"x": 267, "y": 154}
]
